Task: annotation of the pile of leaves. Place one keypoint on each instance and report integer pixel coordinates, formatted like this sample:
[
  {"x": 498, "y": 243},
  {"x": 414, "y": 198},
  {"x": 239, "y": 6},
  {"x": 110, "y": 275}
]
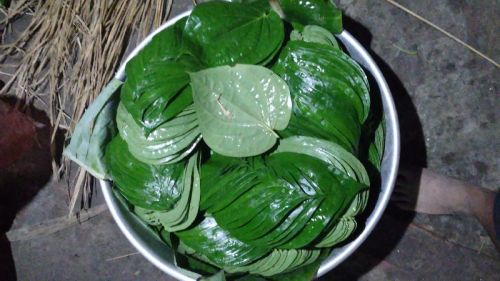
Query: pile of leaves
[{"x": 241, "y": 138}]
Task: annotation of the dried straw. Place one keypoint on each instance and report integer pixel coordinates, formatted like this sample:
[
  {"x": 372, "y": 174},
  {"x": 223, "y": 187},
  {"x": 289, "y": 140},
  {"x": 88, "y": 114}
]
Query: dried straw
[{"x": 67, "y": 54}]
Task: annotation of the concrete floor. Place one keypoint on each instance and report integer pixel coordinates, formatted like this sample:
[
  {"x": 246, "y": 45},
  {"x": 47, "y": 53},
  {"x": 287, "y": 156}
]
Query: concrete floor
[{"x": 448, "y": 103}]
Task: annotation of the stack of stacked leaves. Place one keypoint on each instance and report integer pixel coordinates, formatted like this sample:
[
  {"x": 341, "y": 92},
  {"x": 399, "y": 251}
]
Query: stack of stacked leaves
[{"x": 243, "y": 138}]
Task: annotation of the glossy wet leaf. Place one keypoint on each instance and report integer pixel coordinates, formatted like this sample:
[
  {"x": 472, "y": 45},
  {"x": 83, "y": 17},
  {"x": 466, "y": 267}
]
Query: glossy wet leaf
[
  {"x": 329, "y": 92},
  {"x": 169, "y": 143},
  {"x": 217, "y": 245},
  {"x": 170, "y": 44},
  {"x": 313, "y": 12},
  {"x": 155, "y": 88},
  {"x": 147, "y": 186},
  {"x": 329, "y": 152},
  {"x": 157, "y": 93},
  {"x": 336, "y": 156},
  {"x": 342, "y": 161},
  {"x": 183, "y": 214},
  {"x": 239, "y": 108},
  {"x": 230, "y": 32},
  {"x": 285, "y": 183}
]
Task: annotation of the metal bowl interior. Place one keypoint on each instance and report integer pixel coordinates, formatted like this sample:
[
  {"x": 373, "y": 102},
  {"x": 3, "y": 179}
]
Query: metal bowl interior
[{"x": 158, "y": 253}]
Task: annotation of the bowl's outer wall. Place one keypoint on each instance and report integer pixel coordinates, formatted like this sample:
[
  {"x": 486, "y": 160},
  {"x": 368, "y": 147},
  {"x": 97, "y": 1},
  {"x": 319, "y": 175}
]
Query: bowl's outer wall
[{"x": 148, "y": 243}]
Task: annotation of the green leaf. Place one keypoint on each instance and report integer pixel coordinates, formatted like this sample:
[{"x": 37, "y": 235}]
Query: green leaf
[
  {"x": 293, "y": 192},
  {"x": 230, "y": 32},
  {"x": 148, "y": 216},
  {"x": 186, "y": 209},
  {"x": 155, "y": 89},
  {"x": 313, "y": 12},
  {"x": 157, "y": 93},
  {"x": 376, "y": 148},
  {"x": 329, "y": 92},
  {"x": 218, "y": 246},
  {"x": 239, "y": 108},
  {"x": 304, "y": 273},
  {"x": 170, "y": 44},
  {"x": 147, "y": 186},
  {"x": 341, "y": 231},
  {"x": 315, "y": 34},
  {"x": 278, "y": 261},
  {"x": 329, "y": 152},
  {"x": 93, "y": 132},
  {"x": 341, "y": 161},
  {"x": 169, "y": 143}
]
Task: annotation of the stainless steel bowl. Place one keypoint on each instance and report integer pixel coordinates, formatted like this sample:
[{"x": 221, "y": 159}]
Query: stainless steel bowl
[{"x": 149, "y": 245}]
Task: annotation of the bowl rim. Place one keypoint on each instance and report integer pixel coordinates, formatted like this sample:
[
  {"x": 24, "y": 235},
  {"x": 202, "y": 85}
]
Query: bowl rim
[{"x": 389, "y": 166}]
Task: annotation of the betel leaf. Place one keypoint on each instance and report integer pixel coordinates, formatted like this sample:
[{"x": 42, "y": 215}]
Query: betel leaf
[
  {"x": 288, "y": 203},
  {"x": 329, "y": 92},
  {"x": 316, "y": 34},
  {"x": 218, "y": 246},
  {"x": 148, "y": 216},
  {"x": 316, "y": 62},
  {"x": 147, "y": 186},
  {"x": 186, "y": 209},
  {"x": 306, "y": 272},
  {"x": 278, "y": 261},
  {"x": 230, "y": 32},
  {"x": 329, "y": 152},
  {"x": 156, "y": 92},
  {"x": 335, "y": 156},
  {"x": 169, "y": 143},
  {"x": 342, "y": 161},
  {"x": 93, "y": 132},
  {"x": 219, "y": 171},
  {"x": 313, "y": 12},
  {"x": 343, "y": 228},
  {"x": 376, "y": 148},
  {"x": 170, "y": 44},
  {"x": 155, "y": 88},
  {"x": 239, "y": 108}
]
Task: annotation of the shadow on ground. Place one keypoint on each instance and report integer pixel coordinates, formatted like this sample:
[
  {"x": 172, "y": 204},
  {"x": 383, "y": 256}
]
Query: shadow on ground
[
  {"x": 393, "y": 224},
  {"x": 25, "y": 167}
]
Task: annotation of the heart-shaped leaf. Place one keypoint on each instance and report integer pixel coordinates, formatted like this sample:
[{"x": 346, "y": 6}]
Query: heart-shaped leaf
[
  {"x": 169, "y": 143},
  {"x": 216, "y": 245},
  {"x": 329, "y": 91},
  {"x": 230, "y": 32},
  {"x": 155, "y": 88},
  {"x": 286, "y": 200},
  {"x": 185, "y": 211},
  {"x": 239, "y": 108},
  {"x": 147, "y": 186}
]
